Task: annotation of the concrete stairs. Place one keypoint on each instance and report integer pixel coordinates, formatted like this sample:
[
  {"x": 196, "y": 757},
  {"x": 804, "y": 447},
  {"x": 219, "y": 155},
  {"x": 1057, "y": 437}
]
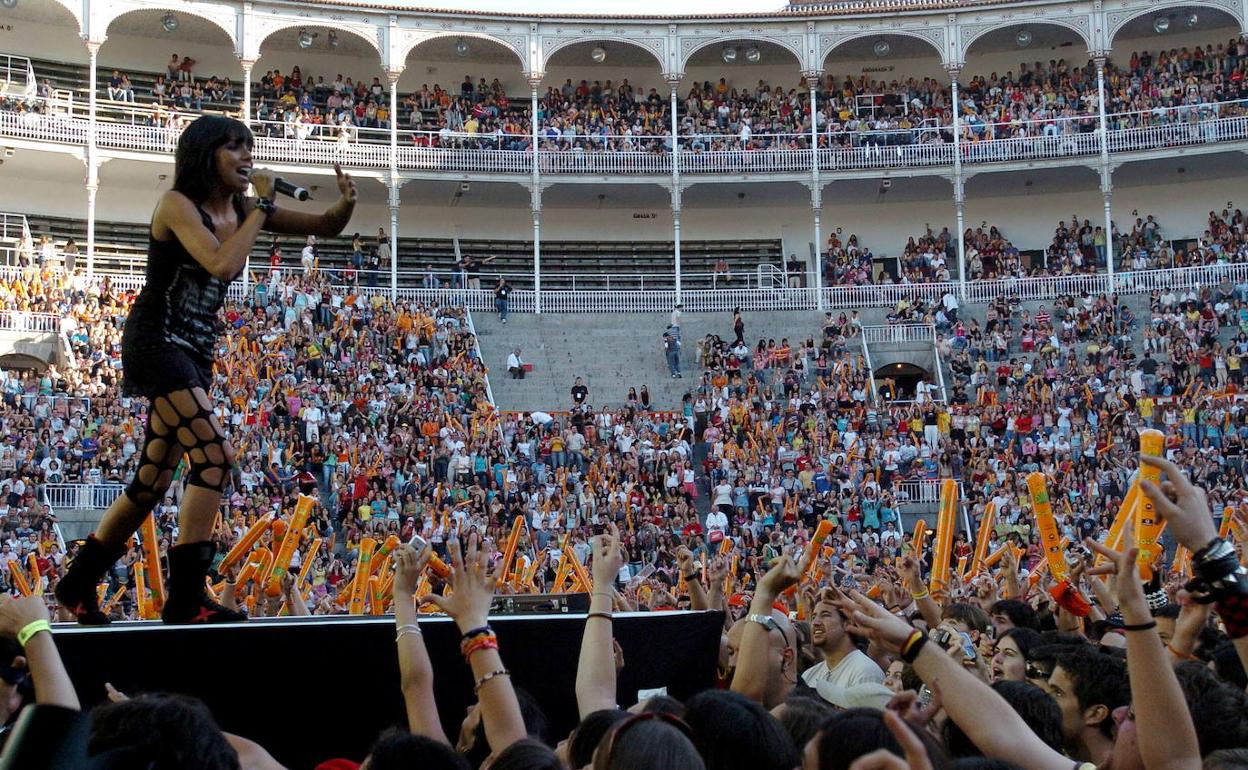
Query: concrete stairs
[{"x": 612, "y": 352}]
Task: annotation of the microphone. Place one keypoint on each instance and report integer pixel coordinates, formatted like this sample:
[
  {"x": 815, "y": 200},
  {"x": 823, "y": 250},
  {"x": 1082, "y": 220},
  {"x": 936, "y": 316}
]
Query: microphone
[{"x": 289, "y": 189}]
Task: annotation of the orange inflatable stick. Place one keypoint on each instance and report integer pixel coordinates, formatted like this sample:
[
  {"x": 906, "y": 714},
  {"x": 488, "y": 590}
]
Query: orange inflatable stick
[
  {"x": 381, "y": 559},
  {"x": 307, "y": 562},
  {"x": 151, "y": 558},
  {"x": 815, "y": 546},
  {"x": 509, "y": 550},
  {"x": 517, "y": 575},
  {"x": 363, "y": 567},
  {"x": 244, "y": 545},
  {"x": 1148, "y": 523},
  {"x": 1114, "y": 539},
  {"x": 376, "y": 600},
  {"x": 944, "y": 535},
  {"x": 290, "y": 541},
  {"x": 108, "y": 606},
  {"x": 578, "y": 569},
  {"x": 996, "y": 556},
  {"x": 32, "y": 563},
  {"x": 725, "y": 546},
  {"x": 140, "y": 590},
  {"x": 983, "y": 537},
  {"x": 1050, "y": 539},
  {"x": 561, "y": 575},
  {"x": 919, "y": 539},
  {"x": 1228, "y": 518},
  {"x": 19, "y": 578}
]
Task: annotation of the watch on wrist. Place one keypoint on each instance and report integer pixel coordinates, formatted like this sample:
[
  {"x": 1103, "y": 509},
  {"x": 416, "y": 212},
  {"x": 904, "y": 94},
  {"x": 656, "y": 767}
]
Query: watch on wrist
[
  {"x": 266, "y": 205},
  {"x": 766, "y": 621}
]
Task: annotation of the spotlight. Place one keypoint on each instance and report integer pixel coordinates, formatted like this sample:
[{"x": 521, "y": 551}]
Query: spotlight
[
  {"x": 1161, "y": 24},
  {"x": 729, "y": 55},
  {"x": 461, "y": 48},
  {"x": 599, "y": 54},
  {"x": 305, "y": 39},
  {"x": 882, "y": 48},
  {"x": 1023, "y": 38},
  {"x": 169, "y": 21},
  {"x": 9, "y": 4},
  {"x": 332, "y": 39},
  {"x": 753, "y": 55},
  {"x": 1192, "y": 18}
]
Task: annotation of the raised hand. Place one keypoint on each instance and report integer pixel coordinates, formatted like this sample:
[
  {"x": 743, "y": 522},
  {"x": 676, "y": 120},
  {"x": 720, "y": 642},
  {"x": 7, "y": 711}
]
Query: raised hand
[
  {"x": 785, "y": 572},
  {"x": 472, "y": 584},
  {"x": 346, "y": 185},
  {"x": 608, "y": 558},
  {"x": 408, "y": 567},
  {"x": 866, "y": 618}
]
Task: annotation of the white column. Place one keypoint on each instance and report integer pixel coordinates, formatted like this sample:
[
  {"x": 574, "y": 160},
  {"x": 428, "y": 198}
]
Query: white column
[
  {"x": 676, "y": 233},
  {"x": 673, "y": 83},
  {"x": 93, "y": 187},
  {"x": 393, "y": 201},
  {"x": 816, "y": 189},
  {"x": 93, "y": 167},
  {"x": 248, "y": 65},
  {"x": 959, "y": 189},
  {"x": 536, "y": 204},
  {"x": 1107, "y": 186}
]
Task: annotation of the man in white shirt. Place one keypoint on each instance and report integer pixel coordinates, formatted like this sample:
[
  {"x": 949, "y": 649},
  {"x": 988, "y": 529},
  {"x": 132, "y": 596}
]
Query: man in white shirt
[
  {"x": 515, "y": 366},
  {"x": 845, "y": 677}
]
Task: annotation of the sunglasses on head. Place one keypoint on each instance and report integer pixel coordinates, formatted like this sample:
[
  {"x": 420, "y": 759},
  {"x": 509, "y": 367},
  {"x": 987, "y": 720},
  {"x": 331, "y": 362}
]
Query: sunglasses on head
[{"x": 648, "y": 716}]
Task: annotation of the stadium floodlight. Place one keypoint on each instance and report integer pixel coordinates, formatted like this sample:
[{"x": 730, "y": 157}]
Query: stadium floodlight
[
  {"x": 882, "y": 48},
  {"x": 1192, "y": 18},
  {"x": 10, "y": 4},
  {"x": 1161, "y": 24},
  {"x": 332, "y": 39},
  {"x": 1023, "y": 38},
  {"x": 461, "y": 48},
  {"x": 305, "y": 38},
  {"x": 599, "y": 54},
  {"x": 729, "y": 55},
  {"x": 169, "y": 21},
  {"x": 753, "y": 55}
]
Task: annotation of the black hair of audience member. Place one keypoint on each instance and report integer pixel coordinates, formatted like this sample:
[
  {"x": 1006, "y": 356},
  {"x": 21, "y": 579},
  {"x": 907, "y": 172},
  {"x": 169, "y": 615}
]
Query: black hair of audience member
[
  {"x": 527, "y": 754},
  {"x": 1195, "y": 678},
  {"x": 1026, "y": 639},
  {"x": 535, "y": 724},
  {"x": 645, "y": 745},
  {"x": 588, "y": 734},
  {"x": 162, "y": 730},
  {"x": 1020, "y": 613},
  {"x": 982, "y": 763},
  {"x": 733, "y": 732},
  {"x": 664, "y": 704},
  {"x": 1227, "y": 759},
  {"x": 1097, "y": 679},
  {"x": 853, "y": 733},
  {"x": 1228, "y": 666},
  {"x": 1169, "y": 611},
  {"x": 972, "y": 616},
  {"x": 1037, "y": 708},
  {"x": 801, "y": 716},
  {"x": 1221, "y": 717},
  {"x": 397, "y": 749}
]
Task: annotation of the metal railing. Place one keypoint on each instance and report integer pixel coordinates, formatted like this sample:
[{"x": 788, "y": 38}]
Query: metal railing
[
  {"x": 899, "y": 333},
  {"x": 17, "y": 76},
  {"x": 21, "y": 321},
  {"x": 90, "y": 496},
  {"x": 14, "y": 227},
  {"x": 919, "y": 147}
]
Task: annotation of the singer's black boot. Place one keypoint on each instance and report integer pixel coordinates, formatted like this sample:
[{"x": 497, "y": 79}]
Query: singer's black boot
[
  {"x": 188, "y": 600},
  {"x": 77, "y": 590}
]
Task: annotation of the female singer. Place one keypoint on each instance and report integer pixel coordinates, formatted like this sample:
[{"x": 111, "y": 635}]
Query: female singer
[{"x": 201, "y": 235}]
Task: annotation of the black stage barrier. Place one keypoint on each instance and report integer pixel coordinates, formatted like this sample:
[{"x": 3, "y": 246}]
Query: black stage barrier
[{"x": 308, "y": 689}]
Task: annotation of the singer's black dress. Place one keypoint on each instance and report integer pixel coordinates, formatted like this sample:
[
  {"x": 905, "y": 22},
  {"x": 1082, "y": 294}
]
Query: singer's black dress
[{"x": 170, "y": 336}]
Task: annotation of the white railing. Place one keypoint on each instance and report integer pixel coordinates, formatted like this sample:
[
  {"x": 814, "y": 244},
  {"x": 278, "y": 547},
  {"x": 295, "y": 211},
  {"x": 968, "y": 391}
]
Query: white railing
[
  {"x": 1178, "y": 278},
  {"x": 886, "y": 295},
  {"x": 21, "y": 321},
  {"x": 14, "y": 227},
  {"x": 93, "y": 496},
  {"x": 899, "y": 333},
  {"x": 1039, "y": 288},
  {"x": 914, "y": 148},
  {"x": 17, "y": 76}
]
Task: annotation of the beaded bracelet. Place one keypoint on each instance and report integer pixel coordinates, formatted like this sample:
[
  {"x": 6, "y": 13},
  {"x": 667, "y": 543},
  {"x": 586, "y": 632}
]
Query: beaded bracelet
[{"x": 488, "y": 676}]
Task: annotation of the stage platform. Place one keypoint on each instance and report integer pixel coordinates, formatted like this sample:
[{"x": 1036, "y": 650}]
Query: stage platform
[{"x": 312, "y": 688}]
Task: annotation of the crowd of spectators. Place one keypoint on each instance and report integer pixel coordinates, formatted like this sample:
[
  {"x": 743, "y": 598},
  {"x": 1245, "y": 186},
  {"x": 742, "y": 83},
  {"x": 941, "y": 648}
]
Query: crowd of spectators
[{"x": 380, "y": 411}]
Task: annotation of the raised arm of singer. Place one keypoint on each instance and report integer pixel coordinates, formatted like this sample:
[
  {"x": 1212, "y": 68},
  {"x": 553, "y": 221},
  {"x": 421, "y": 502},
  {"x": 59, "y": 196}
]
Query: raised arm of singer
[{"x": 201, "y": 234}]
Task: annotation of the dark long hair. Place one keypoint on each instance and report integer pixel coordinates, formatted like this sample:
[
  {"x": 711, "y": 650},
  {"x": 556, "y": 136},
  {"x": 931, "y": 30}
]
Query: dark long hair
[{"x": 195, "y": 170}]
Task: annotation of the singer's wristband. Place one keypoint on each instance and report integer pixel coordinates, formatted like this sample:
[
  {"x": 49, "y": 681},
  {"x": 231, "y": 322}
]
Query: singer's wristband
[{"x": 266, "y": 205}]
